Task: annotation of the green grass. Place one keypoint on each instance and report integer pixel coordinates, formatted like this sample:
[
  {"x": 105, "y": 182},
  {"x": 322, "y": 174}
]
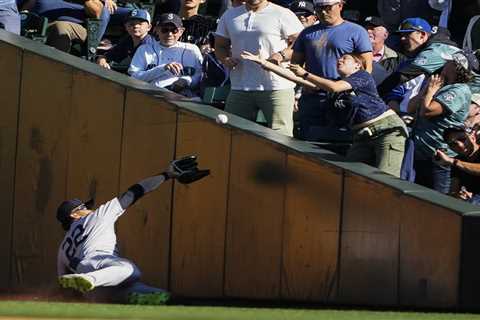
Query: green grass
[{"x": 108, "y": 311}]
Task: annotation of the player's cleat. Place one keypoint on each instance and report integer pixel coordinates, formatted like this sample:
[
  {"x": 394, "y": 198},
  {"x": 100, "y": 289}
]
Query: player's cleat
[
  {"x": 155, "y": 298},
  {"x": 77, "y": 282}
]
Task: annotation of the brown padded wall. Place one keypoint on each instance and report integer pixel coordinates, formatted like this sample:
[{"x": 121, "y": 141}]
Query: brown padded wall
[
  {"x": 311, "y": 230},
  {"x": 10, "y": 64},
  {"x": 198, "y": 231},
  {"x": 393, "y": 255},
  {"x": 255, "y": 218},
  {"x": 430, "y": 244},
  {"x": 369, "y": 243},
  {"x": 147, "y": 148},
  {"x": 41, "y": 169},
  {"x": 95, "y": 138}
]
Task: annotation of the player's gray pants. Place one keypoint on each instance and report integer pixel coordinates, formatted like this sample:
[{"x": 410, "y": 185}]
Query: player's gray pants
[
  {"x": 114, "y": 278},
  {"x": 108, "y": 270}
]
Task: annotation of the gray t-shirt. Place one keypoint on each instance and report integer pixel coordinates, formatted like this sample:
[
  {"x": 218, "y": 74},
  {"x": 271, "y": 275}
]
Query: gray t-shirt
[{"x": 91, "y": 235}]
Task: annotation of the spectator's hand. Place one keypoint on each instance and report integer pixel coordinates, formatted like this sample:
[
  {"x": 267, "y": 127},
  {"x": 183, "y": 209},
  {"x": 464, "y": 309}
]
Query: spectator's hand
[
  {"x": 464, "y": 194},
  {"x": 297, "y": 69},
  {"x": 180, "y": 84},
  {"x": 435, "y": 83},
  {"x": 230, "y": 62},
  {"x": 252, "y": 57},
  {"x": 442, "y": 159},
  {"x": 275, "y": 58},
  {"x": 102, "y": 62},
  {"x": 174, "y": 67},
  {"x": 111, "y": 6},
  {"x": 295, "y": 105}
]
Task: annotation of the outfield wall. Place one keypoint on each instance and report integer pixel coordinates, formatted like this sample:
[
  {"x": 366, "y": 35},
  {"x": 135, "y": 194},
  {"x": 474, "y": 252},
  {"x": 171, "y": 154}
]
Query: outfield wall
[{"x": 277, "y": 219}]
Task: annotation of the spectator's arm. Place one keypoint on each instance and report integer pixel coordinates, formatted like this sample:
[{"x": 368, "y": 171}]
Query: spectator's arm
[
  {"x": 368, "y": 58},
  {"x": 93, "y": 8},
  {"x": 285, "y": 54},
  {"x": 222, "y": 51},
  {"x": 298, "y": 58},
  {"x": 468, "y": 167},
  {"x": 139, "y": 64}
]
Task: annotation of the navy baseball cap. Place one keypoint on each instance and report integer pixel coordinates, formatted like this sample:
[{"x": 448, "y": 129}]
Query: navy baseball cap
[
  {"x": 302, "y": 7},
  {"x": 169, "y": 18},
  {"x": 67, "y": 207},
  {"x": 139, "y": 14},
  {"x": 374, "y": 21},
  {"x": 414, "y": 24}
]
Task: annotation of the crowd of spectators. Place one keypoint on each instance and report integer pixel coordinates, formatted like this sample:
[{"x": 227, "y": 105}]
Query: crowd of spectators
[{"x": 397, "y": 80}]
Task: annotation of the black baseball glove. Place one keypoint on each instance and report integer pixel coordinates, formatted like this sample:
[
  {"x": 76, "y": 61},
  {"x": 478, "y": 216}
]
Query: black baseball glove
[{"x": 185, "y": 170}]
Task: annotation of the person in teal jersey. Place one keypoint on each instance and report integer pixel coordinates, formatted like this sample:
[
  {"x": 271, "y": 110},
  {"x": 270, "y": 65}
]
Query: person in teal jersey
[{"x": 444, "y": 102}]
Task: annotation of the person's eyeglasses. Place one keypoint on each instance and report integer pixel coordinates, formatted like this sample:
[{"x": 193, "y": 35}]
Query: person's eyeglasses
[
  {"x": 326, "y": 8},
  {"x": 168, "y": 30}
]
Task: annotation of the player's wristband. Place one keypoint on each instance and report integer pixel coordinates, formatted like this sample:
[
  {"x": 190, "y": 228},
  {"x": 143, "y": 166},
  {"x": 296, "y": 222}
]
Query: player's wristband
[{"x": 165, "y": 175}]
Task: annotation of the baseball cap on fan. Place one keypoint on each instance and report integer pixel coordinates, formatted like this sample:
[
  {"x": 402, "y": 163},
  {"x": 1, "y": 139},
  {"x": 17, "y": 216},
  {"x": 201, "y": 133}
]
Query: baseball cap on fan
[
  {"x": 302, "y": 7},
  {"x": 374, "y": 21},
  {"x": 414, "y": 24},
  {"x": 169, "y": 18},
  {"x": 138, "y": 14},
  {"x": 465, "y": 58},
  {"x": 318, "y": 3}
]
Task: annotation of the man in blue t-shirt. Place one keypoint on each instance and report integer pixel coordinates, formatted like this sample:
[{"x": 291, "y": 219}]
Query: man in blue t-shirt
[{"x": 318, "y": 47}]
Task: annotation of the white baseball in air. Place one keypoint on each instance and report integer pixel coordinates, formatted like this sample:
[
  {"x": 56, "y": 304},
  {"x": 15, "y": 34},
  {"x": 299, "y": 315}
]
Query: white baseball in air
[{"x": 222, "y": 118}]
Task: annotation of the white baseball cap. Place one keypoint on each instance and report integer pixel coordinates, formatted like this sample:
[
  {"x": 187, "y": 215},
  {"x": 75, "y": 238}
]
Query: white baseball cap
[
  {"x": 325, "y": 2},
  {"x": 476, "y": 98}
]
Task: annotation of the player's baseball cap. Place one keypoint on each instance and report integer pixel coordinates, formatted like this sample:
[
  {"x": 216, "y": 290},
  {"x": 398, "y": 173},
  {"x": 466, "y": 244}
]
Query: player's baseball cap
[
  {"x": 414, "y": 24},
  {"x": 302, "y": 7},
  {"x": 69, "y": 206},
  {"x": 374, "y": 21},
  {"x": 169, "y": 18},
  {"x": 318, "y": 3},
  {"x": 139, "y": 14}
]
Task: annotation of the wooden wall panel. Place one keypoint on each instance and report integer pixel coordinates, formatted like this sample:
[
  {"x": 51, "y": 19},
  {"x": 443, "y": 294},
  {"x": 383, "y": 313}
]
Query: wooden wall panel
[
  {"x": 147, "y": 148},
  {"x": 311, "y": 231},
  {"x": 95, "y": 138},
  {"x": 41, "y": 169},
  {"x": 430, "y": 245},
  {"x": 198, "y": 231},
  {"x": 255, "y": 218},
  {"x": 10, "y": 64},
  {"x": 369, "y": 243}
]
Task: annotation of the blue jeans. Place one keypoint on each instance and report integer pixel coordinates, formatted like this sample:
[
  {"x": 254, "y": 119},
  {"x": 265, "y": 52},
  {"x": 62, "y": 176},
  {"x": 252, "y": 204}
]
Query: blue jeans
[
  {"x": 432, "y": 175},
  {"x": 117, "y": 18},
  {"x": 475, "y": 199},
  {"x": 9, "y": 18}
]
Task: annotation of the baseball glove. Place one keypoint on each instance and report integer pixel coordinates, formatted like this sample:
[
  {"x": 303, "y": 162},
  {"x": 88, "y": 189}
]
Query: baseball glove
[{"x": 185, "y": 170}]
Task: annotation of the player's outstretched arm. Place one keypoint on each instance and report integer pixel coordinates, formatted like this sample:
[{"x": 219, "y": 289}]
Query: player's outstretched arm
[{"x": 185, "y": 170}]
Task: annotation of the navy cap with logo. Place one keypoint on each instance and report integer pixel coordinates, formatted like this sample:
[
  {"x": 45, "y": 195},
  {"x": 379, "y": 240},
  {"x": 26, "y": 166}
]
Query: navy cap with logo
[
  {"x": 68, "y": 207},
  {"x": 302, "y": 7},
  {"x": 169, "y": 18},
  {"x": 138, "y": 14},
  {"x": 374, "y": 21},
  {"x": 414, "y": 24}
]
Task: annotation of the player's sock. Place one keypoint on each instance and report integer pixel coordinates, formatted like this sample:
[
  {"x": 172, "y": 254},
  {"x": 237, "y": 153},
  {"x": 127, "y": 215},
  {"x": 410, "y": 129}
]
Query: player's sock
[
  {"x": 154, "y": 298},
  {"x": 77, "y": 282}
]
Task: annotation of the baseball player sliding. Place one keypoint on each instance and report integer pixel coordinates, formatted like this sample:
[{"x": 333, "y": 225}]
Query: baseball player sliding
[{"x": 88, "y": 257}]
